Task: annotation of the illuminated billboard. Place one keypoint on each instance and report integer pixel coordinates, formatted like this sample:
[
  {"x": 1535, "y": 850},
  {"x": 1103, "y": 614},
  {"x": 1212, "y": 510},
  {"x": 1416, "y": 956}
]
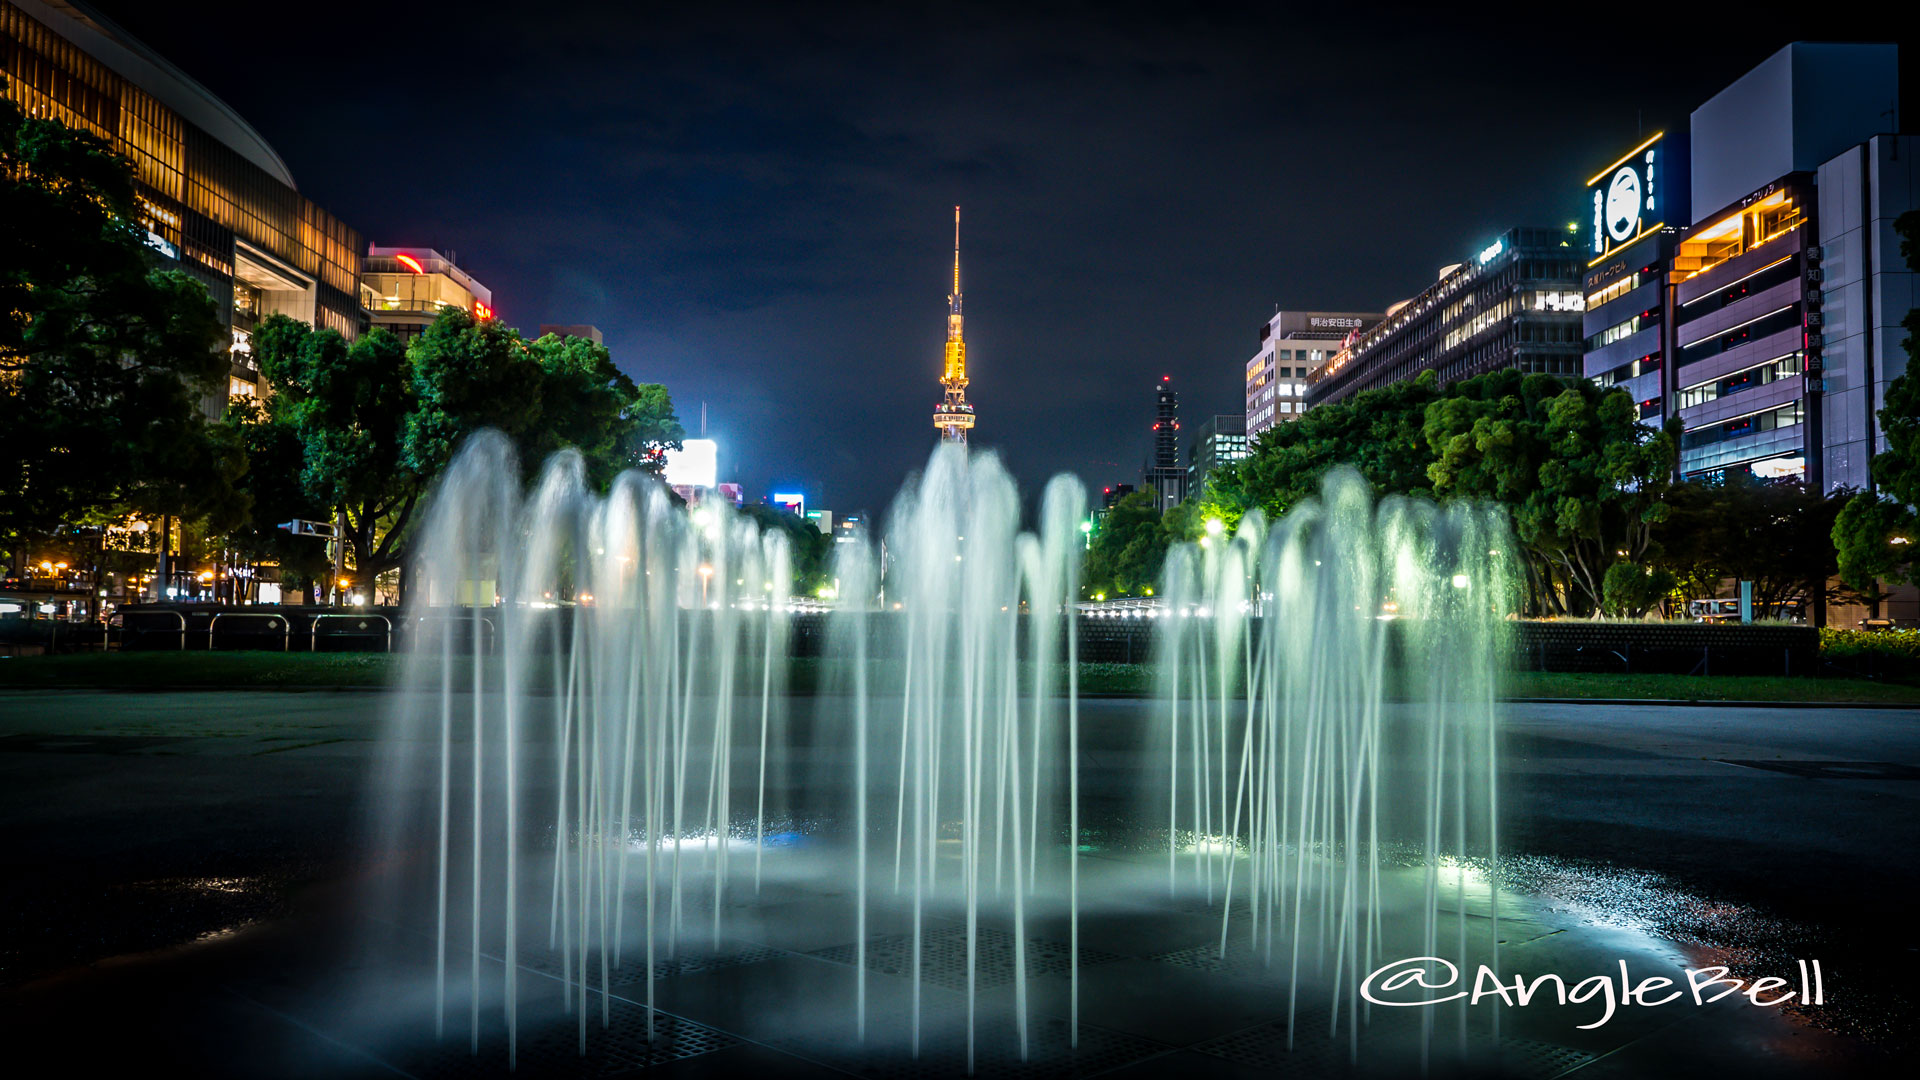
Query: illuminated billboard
[
  {"x": 790, "y": 501},
  {"x": 696, "y": 464},
  {"x": 1636, "y": 195}
]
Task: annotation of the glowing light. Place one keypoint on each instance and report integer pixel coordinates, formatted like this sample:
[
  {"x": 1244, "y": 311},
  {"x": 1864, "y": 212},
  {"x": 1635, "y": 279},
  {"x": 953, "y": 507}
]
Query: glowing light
[
  {"x": 695, "y": 464},
  {"x": 1461, "y": 581},
  {"x": 410, "y": 263},
  {"x": 1215, "y": 526}
]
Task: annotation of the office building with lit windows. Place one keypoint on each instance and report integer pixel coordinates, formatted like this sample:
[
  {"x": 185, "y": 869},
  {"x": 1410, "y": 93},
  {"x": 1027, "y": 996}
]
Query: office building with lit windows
[
  {"x": 1515, "y": 303},
  {"x": 1638, "y": 207},
  {"x": 216, "y": 200},
  {"x": 1781, "y": 344},
  {"x": 1293, "y": 345},
  {"x": 407, "y": 288},
  {"x": 1218, "y": 441}
]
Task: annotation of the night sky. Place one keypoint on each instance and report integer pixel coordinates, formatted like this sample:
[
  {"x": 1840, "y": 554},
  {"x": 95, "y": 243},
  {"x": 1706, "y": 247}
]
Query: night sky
[{"x": 754, "y": 202}]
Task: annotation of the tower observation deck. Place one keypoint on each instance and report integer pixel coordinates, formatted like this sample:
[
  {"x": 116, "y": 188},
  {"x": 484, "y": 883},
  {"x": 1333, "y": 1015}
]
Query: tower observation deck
[{"x": 953, "y": 417}]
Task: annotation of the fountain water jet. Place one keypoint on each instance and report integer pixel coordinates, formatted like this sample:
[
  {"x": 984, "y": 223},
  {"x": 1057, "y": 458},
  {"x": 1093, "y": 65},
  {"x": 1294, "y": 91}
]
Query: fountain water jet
[{"x": 605, "y": 675}]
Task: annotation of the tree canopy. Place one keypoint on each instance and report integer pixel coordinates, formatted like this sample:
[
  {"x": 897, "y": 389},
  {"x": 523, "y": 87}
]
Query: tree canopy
[
  {"x": 105, "y": 356},
  {"x": 371, "y": 423}
]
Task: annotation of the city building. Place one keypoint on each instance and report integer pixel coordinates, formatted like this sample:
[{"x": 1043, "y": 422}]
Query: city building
[
  {"x": 408, "y": 287},
  {"x": 1293, "y": 345},
  {"x": 822, "y": 520},
  {"x": 1515, "y": 303},
  {"x": 954, "y": 417},
  {"x": 848, "y": 529},
  {"x": 1220, "y": 440},
  {"x": 214, "y": 197},
  {"x": 1781, "y": 349},
  {"x": 591, "y": 333},
  {"x": 1639, "y": 207},
  {"x": 1163, "y": 474}
]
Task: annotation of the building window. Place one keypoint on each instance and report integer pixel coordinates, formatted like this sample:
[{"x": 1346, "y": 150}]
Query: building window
[
  {"x": 1771, "y": 323},
  {"x": 1784, "y": 367},
  {"x": 1614, "y": 291},
  {"x": 1770, "y": 420}
]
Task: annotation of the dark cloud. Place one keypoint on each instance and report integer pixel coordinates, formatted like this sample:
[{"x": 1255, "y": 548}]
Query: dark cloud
[{"x": 752, "y": 200}]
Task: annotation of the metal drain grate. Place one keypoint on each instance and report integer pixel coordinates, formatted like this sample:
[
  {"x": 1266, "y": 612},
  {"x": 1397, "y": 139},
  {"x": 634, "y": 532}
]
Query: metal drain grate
[
  {"x": 997, "y": 1053},
  {"x": 553, "y": 1050},
  {"x": 1265, "y": 1047},
  {"x": 1238, "y": 963},
  {"x": 693, "y": 965},
  {"x": 1834, "y": 770},
  {"x": 1526, "y": 1057},
  {"x": 943, "y": 957}
]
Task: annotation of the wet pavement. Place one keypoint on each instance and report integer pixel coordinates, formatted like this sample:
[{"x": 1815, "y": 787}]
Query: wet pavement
[{"x": 178, "y": 870}]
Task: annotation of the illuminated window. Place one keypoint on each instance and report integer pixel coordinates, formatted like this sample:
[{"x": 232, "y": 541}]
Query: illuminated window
[
  {"x": 241, "y": 388},
  {"x": 1614, "y": 291},
  {"x": 1737, "y": 233}
]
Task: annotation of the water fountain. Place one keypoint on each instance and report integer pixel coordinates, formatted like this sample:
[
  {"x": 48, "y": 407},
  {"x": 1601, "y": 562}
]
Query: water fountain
[{"x": 595, "y": 777}]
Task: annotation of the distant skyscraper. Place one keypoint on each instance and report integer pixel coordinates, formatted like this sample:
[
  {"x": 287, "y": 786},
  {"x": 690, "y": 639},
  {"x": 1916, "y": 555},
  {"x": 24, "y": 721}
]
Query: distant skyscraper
[
  {"x": 1164, "y": 474},
  {"x": 954, "y": 417}
]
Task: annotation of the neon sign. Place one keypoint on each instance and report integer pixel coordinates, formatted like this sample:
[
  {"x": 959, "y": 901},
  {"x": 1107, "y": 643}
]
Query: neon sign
[
  {"x": 410, "y": 263},
  {"x": 1626, "y": 200}
]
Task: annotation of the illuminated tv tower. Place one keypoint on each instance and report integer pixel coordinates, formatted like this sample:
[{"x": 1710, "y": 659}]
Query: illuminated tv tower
[{"x": 954, "y": 417}]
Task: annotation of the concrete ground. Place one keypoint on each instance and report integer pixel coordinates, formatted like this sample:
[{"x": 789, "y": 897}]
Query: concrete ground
[{"x": 176, "y": 864}]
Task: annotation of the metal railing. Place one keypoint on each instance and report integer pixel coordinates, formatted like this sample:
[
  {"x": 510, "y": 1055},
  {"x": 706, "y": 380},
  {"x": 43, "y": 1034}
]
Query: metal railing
[
  {"x": 362, "y": 628},
  {"x": 121, "y": 617},
  {"x": 273, "y": 622}
]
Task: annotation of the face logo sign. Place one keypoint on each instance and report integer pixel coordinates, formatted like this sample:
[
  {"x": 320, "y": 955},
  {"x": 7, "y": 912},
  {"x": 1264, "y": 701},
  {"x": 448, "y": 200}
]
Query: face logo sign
[{"x": 1623, "y": 203}]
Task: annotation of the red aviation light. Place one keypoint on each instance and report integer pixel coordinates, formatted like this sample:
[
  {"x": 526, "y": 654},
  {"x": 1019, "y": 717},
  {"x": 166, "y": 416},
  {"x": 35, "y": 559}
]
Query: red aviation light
[{"x": 410, "y": 263}]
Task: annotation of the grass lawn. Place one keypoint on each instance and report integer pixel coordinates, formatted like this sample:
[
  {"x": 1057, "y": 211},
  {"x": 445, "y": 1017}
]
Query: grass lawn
[{"x": 267, "y": 671}]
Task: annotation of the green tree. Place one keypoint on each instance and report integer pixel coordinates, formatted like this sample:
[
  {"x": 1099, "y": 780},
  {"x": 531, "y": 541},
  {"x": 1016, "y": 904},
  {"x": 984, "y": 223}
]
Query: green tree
[
  {"x": 371, "y": 423},
  {"x": 1379, "y": 432},
  {"x": 338, "y": 415},
  {"x": 104, "y": 356},
  {"x": 1128, "y": 549},
  {"x": 1875, "y": 532},
  {"x": 591, "y": 405},
  {"x": 1582, "y": 478},
  {"x": 1774, "y": 533}
]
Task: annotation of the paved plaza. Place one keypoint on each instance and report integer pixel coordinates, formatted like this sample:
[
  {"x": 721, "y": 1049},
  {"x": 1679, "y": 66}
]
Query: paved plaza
[{"x": 181, "y": 871}]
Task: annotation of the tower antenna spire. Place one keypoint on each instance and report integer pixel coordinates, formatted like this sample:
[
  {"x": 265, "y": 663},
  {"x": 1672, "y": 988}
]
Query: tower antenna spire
[
  {"x": 954, "y": 416},
  {"x": 953, "y": 302}
]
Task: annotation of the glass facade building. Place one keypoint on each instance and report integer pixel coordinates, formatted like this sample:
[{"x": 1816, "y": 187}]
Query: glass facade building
[
  {"x": 1517, "y": 303},
  {"x": 1220, "y": 440},
  {"x": 213, "y": 195}
]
